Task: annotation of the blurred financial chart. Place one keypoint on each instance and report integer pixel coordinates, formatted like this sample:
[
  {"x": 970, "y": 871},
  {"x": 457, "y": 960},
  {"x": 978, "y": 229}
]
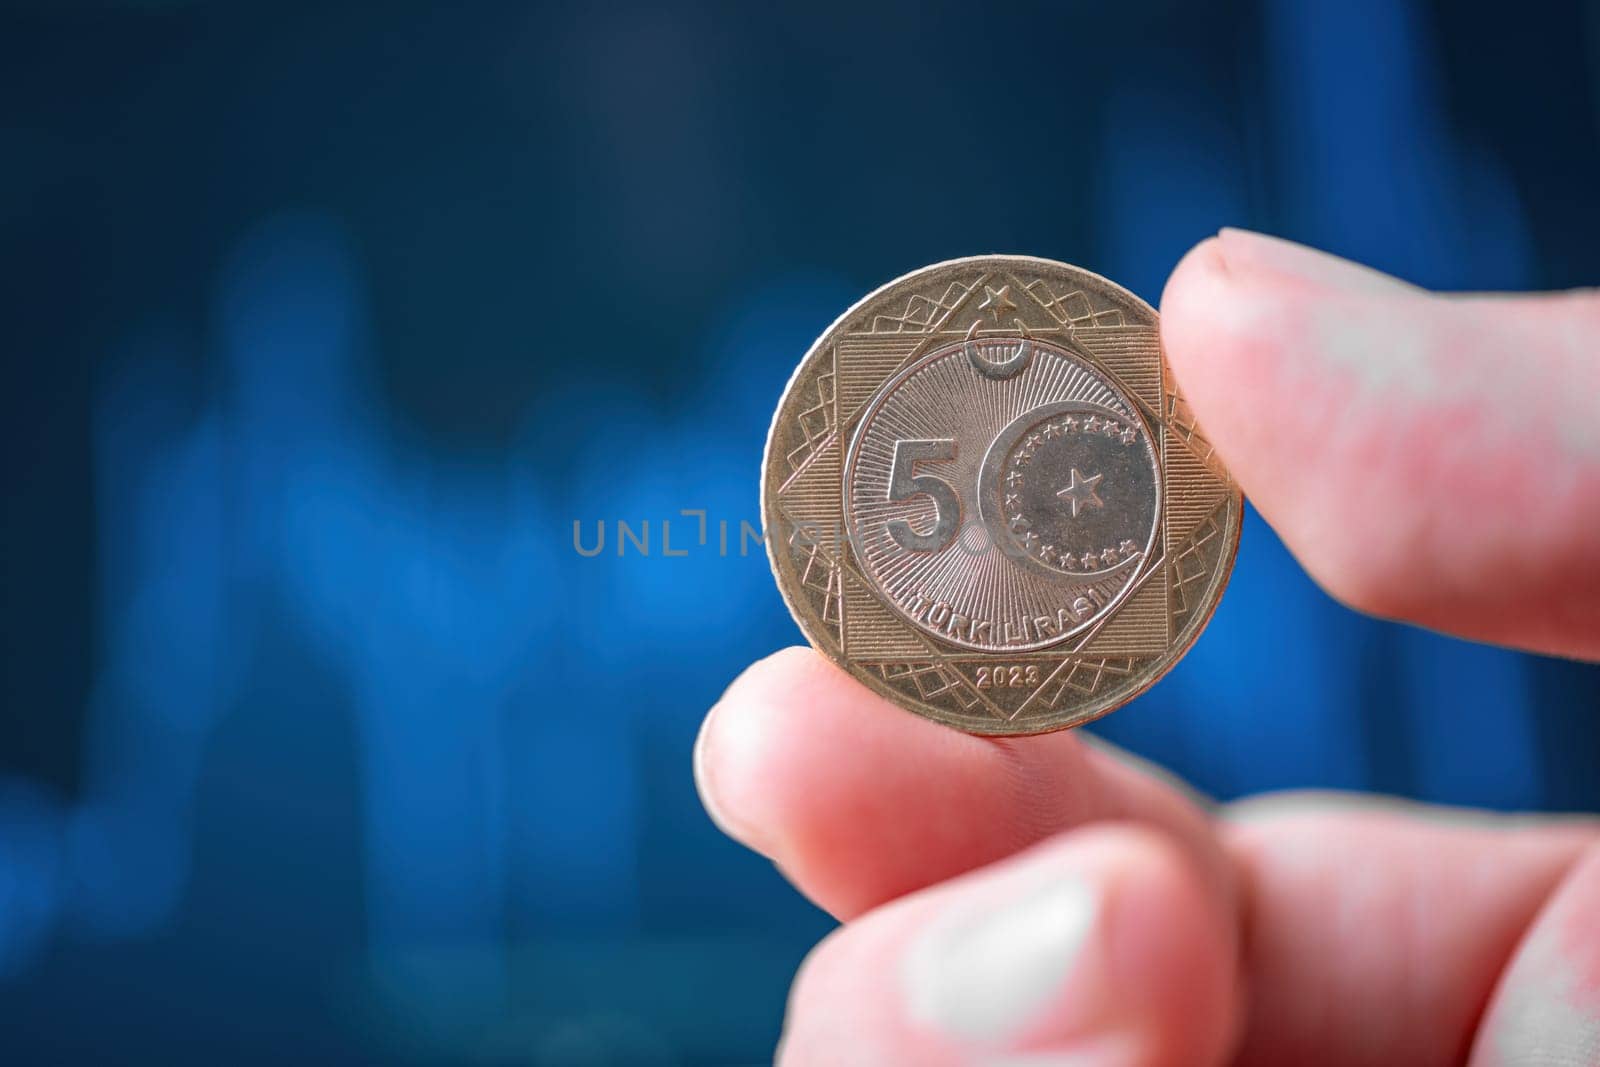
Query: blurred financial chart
[{"x": 335, "y": 334}]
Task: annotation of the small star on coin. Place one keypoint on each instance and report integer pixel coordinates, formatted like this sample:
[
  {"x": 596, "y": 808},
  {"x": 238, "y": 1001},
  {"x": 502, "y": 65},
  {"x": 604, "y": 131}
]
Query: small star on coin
[
  {"x": 997, "y": 301},
  {"x": 1080, "y": 492},
  {"x": 1091, "y": 424},
  {"x": 1128, "y": 435}
]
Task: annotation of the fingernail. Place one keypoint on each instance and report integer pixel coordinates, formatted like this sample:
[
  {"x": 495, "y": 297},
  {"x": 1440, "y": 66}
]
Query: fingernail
[
  {"x": 984, "y": 976},
  {"x": 1246, "y": 252}
]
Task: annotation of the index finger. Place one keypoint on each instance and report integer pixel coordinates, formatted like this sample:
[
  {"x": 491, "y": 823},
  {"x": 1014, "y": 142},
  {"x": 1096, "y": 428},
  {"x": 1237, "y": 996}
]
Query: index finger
[{"x": 1428, "y": 458}]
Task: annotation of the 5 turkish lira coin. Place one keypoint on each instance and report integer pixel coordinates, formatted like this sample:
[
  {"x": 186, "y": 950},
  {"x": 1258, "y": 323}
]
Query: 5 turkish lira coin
[{"x": 985, "y": 497}]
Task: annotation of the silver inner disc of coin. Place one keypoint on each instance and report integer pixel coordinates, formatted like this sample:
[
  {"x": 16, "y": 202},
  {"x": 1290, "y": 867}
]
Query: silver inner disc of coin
[{"x": 1002, "y": 493}]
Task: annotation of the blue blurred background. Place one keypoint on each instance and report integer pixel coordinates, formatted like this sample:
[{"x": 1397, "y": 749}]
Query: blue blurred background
[{"x": 324, "y": 323}]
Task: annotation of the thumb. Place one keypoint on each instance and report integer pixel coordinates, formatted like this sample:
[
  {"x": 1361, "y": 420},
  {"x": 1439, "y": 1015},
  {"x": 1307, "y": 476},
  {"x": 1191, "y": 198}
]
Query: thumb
[{"x": 1106, "y": 947}]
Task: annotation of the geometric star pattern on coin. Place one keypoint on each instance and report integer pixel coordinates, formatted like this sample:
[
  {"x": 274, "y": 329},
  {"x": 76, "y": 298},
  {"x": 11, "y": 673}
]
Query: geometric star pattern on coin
[{"x": 915, "y": 653}]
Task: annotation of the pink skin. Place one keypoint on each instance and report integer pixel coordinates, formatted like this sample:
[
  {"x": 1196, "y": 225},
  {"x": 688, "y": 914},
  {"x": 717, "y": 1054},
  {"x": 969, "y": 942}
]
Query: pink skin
[
  {"x": 1153, "y": 985},
  {"x": 1435, "y": 459},
  {"x": 1547, "y": 1009},
  {"x": 1431, "y": 459}
]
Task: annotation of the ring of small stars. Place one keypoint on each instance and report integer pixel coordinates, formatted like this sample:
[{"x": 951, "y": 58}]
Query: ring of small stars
[{"x": 1015, "y": 479}]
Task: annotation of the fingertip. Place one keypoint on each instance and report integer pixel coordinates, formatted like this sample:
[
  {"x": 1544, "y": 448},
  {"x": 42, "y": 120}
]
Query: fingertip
[
  {"x": 859, "y": 801},
  {"x": 1419, "y": 455},
  {"x": 736, "y": 737},
  {"x": 1192, "y": 290},
  {"x": 704, "y": 780},
  {"x": 1202, "y": 262},
  {"x": 1218, "y": 333},
  {"x": 807, "y": 766},
  {"x": 803, "y": 763},
  {"x": 1245, "y": 314},
  {"x": 1248, "y": 253}
]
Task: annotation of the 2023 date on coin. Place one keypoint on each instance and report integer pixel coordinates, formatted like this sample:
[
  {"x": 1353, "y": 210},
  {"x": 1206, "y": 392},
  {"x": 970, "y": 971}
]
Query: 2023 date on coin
[{"x": 986, "y": 499}]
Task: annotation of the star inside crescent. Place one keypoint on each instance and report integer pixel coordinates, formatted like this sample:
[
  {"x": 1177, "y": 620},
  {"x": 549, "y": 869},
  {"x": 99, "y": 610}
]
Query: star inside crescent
[
  {"x": 997, "y": 301},
  {"x": 1080, "y": 492}
]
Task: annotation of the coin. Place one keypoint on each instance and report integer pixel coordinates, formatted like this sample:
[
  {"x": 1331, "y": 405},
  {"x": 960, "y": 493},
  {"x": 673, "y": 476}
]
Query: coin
[{"x": 985, "y": 497}]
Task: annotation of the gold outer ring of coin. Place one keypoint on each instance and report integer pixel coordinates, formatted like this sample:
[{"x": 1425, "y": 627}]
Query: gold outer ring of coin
[{"x": 985, "y": 498}]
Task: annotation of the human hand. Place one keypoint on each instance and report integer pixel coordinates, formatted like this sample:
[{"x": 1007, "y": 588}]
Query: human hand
[{"x": 1048, "y": 900}]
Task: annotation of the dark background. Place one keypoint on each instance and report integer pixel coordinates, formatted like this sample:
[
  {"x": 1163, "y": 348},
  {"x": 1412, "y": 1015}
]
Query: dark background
[{"x": 324, "y": 323}]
